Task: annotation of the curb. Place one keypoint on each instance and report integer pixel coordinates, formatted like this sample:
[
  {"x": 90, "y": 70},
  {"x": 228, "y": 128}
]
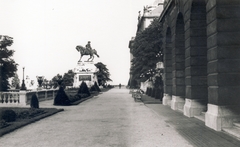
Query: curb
[{"x": 22, "y": 124}]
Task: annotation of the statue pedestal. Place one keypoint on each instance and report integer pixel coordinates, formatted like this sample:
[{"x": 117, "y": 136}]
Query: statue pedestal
[{"x": 85, "y": 71}]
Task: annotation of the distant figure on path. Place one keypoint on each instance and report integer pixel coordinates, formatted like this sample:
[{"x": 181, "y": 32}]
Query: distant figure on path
[{"x": 120, "y": 86}]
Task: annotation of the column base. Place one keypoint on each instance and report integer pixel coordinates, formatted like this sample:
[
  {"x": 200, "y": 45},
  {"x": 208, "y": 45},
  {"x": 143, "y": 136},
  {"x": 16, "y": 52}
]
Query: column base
[
  {"x": 218, "y": 117},
  {"x": 194, "y": 107},
  {"x": 166, "y": 99},
  {"x": 177, "y": 103}
]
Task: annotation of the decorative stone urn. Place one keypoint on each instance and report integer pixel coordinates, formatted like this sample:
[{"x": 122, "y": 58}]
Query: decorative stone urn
[{"x": 40, "y": 81}]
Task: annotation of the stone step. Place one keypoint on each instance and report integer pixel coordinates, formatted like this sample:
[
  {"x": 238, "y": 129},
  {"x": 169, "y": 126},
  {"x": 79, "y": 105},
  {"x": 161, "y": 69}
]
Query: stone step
[
  {"x": 236, "y": 124},
  {"x": 201, "y": 116},
  {"x": 180, "y": 110},
  {"x": 233, "y": 131}
]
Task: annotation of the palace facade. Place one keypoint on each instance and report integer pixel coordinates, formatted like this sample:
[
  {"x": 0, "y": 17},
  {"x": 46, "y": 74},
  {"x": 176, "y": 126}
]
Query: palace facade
[{"x": 202, "y": 59}]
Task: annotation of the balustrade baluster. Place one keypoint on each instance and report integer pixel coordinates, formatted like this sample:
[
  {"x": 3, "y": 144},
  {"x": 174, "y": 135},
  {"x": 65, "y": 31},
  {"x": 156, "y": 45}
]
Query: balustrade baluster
[
  {"x": 10, "y": 98},
  {"x": 4, "y": 98},
  {"x": 7, "y": 98},
  {"x": 15, "y": 99},
  {"x": 1, "y": 98}
]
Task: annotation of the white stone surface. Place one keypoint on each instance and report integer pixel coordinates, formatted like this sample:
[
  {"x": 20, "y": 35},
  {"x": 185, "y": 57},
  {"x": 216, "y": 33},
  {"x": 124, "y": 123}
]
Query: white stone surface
[
  {"x": 193, "y": 107},
  {"x": 166, "y": 99},
  {"x": 177, "y": 103},
  {"x": 85, "y": 69},
  {"x": 218, "y": 117}
]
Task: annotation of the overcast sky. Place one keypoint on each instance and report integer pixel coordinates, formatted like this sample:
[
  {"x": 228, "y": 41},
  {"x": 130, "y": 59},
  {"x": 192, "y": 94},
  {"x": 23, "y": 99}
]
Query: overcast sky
[{"x": 46, "y": 33}]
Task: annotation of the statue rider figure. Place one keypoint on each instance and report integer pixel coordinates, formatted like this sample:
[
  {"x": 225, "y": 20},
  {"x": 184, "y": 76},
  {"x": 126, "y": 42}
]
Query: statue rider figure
[{"x": 88, "y": 47}]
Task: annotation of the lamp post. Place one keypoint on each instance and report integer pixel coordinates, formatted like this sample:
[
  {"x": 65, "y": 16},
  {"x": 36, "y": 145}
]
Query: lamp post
[{"x": 23, "y": 87}]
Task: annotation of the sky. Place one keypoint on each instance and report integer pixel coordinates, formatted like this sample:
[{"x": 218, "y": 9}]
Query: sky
[{"x": 46, "y": 33}]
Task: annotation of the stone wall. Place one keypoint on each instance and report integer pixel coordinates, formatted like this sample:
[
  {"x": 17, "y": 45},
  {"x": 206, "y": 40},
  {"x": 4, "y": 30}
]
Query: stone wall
[{"x": 202, "y": 58}]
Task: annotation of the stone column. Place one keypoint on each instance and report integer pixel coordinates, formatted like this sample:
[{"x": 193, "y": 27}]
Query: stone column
[{"x": 223, "y": 30}]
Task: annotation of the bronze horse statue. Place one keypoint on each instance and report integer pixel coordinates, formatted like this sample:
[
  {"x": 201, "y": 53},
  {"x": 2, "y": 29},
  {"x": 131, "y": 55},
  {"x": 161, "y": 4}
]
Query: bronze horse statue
[{"x": 83, "y": 51}]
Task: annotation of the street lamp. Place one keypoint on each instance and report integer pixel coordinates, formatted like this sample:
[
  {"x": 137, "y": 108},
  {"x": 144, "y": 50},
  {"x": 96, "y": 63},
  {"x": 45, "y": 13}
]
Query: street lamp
[{"x": 23, "y": 87}]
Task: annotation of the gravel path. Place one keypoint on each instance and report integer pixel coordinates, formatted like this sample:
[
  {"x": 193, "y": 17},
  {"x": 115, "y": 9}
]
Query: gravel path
[{"x": 111, "y": 119}]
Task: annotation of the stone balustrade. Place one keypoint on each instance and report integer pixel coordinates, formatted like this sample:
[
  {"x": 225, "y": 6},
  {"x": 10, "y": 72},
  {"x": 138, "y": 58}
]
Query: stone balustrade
[{"x": 23, "y": 98}]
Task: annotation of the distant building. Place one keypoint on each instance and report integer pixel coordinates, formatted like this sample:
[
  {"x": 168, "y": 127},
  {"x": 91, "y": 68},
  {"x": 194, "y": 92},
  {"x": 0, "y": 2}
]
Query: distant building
[
  {"x": 144, "y": 20},
  {"x": 149, "y": 13}
]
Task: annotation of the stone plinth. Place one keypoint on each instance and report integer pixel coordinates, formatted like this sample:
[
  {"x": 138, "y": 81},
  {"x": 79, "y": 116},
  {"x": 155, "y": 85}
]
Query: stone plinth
[
  {"x": 218, "y": 117},
  {"x": 167, "y": 99},
  {"x": 85, "y": 71},
  {"x": 194, "y": 107},
  {"x": 177, "y": 103}
]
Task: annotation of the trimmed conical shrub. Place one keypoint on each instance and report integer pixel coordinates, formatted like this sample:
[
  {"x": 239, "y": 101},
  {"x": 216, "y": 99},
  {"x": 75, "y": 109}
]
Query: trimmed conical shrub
[
  {"x": 153, "y": 92},
  {"x": 34, "y": 101},
  {"x": 83, "y": 89},
  {"x": 97, "y": 87},
  {"x": 147, "y": 91},
  {"x": 93, "y": 88},
  {"x": 150, "y": 91},
  {"x": 61, "y": 98},
  {"x": 157, "y": 93}
]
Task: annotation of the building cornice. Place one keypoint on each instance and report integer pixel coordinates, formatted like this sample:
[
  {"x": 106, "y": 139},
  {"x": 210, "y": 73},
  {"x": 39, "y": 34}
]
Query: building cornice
[{"x": 165, "y": 10}]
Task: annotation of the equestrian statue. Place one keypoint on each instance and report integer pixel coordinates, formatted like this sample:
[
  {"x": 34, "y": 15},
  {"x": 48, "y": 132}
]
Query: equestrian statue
[{"x": 86, "y": 51}]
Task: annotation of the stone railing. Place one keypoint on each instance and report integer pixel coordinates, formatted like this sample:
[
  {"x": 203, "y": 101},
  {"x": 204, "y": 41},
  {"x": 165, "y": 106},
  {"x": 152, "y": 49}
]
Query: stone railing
[{"x": 23, "y": 98}]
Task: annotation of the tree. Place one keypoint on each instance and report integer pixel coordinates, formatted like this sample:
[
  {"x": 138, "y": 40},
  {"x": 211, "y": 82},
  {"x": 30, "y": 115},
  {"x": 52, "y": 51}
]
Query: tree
[
  {"x": 102, "y": 73},
  {"x": 147, "y": 52},
  {"x": 16, "y": 81},
  {"x": 55, "y": 79},
  {"x": 68, "y": 78},
  {"x": 8, "y": 67},
  {"x": 45, "y": 83}
]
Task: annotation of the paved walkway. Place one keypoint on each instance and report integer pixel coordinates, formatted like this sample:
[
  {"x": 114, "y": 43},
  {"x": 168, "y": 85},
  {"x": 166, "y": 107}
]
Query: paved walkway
[
  {"x": 192, "y": 129},
  {"x": 112, "y": 119}
]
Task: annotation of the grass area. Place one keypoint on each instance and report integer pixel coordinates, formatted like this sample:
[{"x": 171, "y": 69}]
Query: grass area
[{"x": 24, "y": 116}]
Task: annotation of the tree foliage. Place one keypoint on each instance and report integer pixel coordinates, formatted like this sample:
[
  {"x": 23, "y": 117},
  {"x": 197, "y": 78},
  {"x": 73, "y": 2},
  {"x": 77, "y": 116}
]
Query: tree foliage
[
  {"x": 68, "y": 78},
  {"x": 8, "y": 67},
  {"x": 103, "y": 74},
  {"x": 16, "y": 81},
  {"x": 147, "y": 52},
  {"x": 55, "y": 79}
]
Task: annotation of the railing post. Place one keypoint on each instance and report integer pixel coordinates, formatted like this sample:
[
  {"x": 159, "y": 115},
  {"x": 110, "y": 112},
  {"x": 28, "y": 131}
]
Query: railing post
[
  {"x": 37, "y": 93},
  {"x": 22, "y": 98},
  {"x": 53, "y": 93},
  {"x": 46, "y": 97}
]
